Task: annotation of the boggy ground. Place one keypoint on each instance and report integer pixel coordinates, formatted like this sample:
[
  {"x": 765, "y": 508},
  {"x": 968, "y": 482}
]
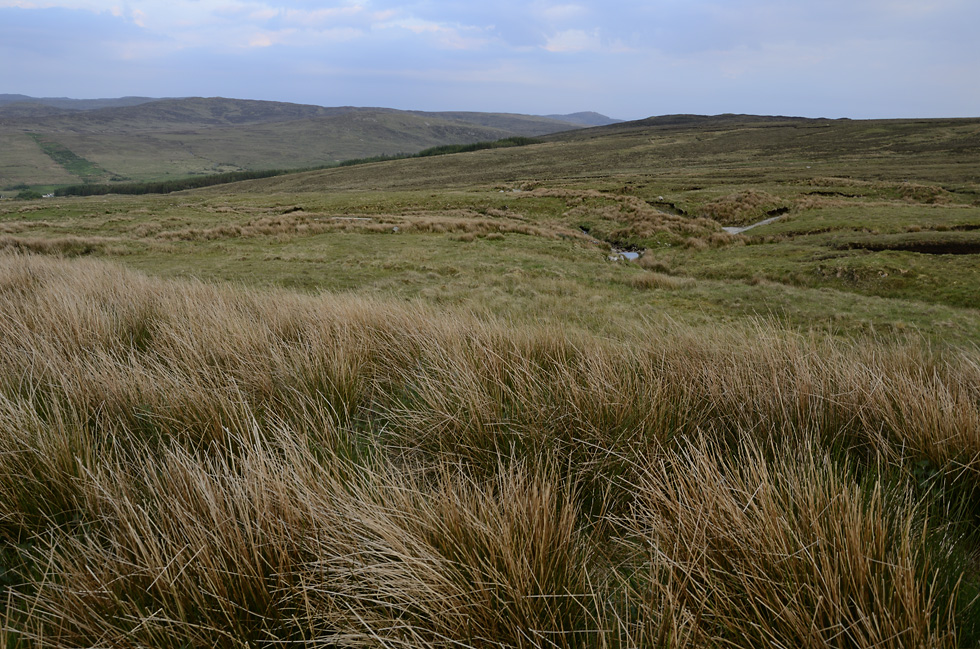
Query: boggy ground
[{"x": 416, "y": 403}]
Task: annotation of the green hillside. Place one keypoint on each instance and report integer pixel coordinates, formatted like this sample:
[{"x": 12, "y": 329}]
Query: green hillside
[{"x": 173, "y": 138}]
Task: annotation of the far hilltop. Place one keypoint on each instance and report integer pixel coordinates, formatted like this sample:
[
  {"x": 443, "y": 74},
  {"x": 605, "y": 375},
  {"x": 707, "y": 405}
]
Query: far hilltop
[{"x": 53, "y": 142}]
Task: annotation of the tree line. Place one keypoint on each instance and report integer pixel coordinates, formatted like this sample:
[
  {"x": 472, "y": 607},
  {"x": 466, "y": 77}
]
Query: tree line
[{"x": 196, "y": 182}]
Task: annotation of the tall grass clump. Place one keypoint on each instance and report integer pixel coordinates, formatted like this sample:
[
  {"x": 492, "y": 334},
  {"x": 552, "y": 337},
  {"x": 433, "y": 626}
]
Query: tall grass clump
[
  {"x": 626, "y": 220},
  {"x": 453, "y": 561},
  {"x": 185, "y": 464},
  {"x": 744, "y": 207},
  {"x": 785, "y": 546}
]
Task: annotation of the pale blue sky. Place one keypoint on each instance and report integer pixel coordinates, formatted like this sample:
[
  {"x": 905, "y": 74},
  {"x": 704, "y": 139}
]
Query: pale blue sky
[{"x": 627, "y": 59}]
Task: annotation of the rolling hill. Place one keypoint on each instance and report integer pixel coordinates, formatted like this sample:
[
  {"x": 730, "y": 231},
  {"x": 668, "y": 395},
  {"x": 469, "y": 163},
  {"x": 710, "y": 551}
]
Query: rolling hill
[
  {"x": 66, "y": 103},
  {"x": 728, "y": 148},
  {"x": 586, "y": 118},
  {"x": 170, "y": 138}
]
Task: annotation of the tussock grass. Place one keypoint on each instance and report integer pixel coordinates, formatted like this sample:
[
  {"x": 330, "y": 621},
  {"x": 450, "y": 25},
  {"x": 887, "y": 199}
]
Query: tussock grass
[
  {"x": 300, "y": 223},
  {"x": 184, "y": 464},
  {"x": 743, "y": 207},
  {"x": 655, "y": 280},
  {"x": 920, "y": 193},
  {"x": 627, "y": 218},
  {"x": 783, "y": 546},
  {"x": 69, "y": 246}
]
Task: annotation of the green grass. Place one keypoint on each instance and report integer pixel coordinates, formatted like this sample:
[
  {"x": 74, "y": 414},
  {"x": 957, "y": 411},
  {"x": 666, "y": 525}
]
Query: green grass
[
  {"x": 172, "y": 139},
  {"x": 508, "y": 252},
  {"x": 24, "y": 163},
  {"x": 74, "y": 164}
]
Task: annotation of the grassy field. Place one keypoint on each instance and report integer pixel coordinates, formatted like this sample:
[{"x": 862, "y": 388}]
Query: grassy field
[{"x": 423, "y": 403}]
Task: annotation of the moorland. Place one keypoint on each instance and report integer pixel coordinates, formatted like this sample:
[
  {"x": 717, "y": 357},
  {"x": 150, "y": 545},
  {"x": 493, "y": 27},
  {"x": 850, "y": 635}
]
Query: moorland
[{"x": 427, "y": 402}]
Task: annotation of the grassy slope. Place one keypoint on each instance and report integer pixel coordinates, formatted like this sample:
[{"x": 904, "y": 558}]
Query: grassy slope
[
  {"x": 732, "y": 153},
  {"x": 843, "y": 186},
  {"x": 425, "y": 409},
  {"x": 172, "y": 138}
]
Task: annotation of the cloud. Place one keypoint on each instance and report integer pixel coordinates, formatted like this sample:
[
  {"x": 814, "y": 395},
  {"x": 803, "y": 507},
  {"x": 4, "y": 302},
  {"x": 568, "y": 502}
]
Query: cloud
[
  {"x": 563, "y": 13},
  {"x": 303, "y": 38},
  {"x": 574, "y": 40},
  {"x": 853, "y": 57},
  {"x": 63, "y": 34},
  {"x": 438, "y": 34},
  {"x": 266, "y": 39},
  {"x": 323, "y": 16}
]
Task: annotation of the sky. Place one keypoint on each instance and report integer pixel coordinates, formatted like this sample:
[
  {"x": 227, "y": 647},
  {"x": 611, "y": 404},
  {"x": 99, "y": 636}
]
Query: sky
[{"x": 623, "y": 58}]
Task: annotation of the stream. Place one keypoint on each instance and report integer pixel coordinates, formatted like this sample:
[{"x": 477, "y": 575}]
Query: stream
[
  {"x": 616, "y": 254},
  {"x": 625, "y": 254}
]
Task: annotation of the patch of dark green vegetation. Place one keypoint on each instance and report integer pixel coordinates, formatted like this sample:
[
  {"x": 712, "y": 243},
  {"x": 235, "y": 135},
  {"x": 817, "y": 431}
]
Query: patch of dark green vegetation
[
  {"x": 447, "y": 149},
  {"x": 477, "y": 146},
  {"x": 168, "y": 186},
  {"x": 72, "y": 162}
]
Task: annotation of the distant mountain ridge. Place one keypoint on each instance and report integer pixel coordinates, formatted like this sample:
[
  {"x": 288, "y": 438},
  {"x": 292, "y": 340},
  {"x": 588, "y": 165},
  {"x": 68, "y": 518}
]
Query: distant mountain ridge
[
  {"x": 283, "y": 110},
  {"x": 587, "y": 118},
  {"x": 66, "y": 103},
  {"x": 137, "y": 113}
]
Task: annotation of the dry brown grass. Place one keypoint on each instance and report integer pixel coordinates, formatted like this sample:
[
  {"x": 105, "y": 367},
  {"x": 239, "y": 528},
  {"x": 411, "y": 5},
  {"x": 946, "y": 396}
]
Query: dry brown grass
[
  {"x": 191, "y": 465},
  {"x": 655, "y": 280},
  {"x": 929, "y": 194},
  {"x": 68, "y": 246},
  {"x": 300, "y": 223},
  {"x": 291, "y": 223},
  {"x": 784, "y": 547}
]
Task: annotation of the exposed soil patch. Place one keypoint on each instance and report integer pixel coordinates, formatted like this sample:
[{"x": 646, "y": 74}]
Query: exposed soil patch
[
  {"x": 950, "y": 248},
  {"x": 924, "y": 243},
  {"x": 825, "y": 193},
  {"x": 666, "y": 206}
]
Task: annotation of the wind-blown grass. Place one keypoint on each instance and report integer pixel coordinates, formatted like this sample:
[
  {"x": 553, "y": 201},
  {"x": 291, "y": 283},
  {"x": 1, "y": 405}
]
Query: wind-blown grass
[{"x": 184, "y": 464}]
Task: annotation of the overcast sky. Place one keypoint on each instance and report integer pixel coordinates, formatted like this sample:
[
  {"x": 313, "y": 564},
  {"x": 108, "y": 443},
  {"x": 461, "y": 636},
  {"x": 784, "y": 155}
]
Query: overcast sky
[{"x": 624, "y": 58}]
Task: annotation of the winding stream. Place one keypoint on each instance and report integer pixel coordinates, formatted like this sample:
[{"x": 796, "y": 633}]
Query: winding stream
[{"x": 739, "y": 230}]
